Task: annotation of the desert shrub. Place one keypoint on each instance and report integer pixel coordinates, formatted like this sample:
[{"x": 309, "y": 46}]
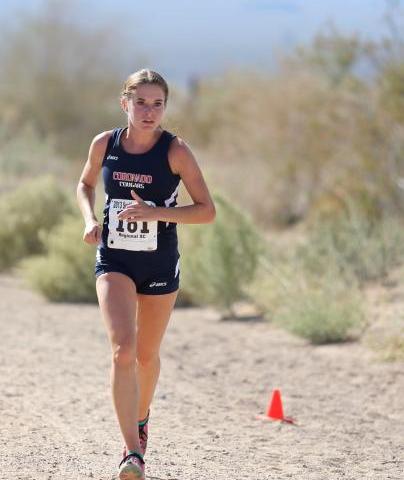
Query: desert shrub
[
  {"x": 27, "y": 214},
  {"x": 391, "y": 89},
  {"x": 314, "y": 290},
  {"x": 65, "y": 272},
  {"x": 323, "y": 316},
  {"x": 321, "y": 308},
  {"x": 356, "y": 245},
  {"x": 25, "y": 155},
  {"x": 220, "y": 259},
  {"x": 318, "y": 122}
]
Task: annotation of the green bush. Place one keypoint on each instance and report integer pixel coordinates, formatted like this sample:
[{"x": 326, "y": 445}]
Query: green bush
[
  {"x": 65, "y": 272},
  {"x": 327, "y": 315},
  {"x": 220, "y": 259},
  {"x": 313, "y": 290},
  {"x": 321, "y": 308},
  {"x": 355, "y": 245},
  {"x": 28, "y": 214}
]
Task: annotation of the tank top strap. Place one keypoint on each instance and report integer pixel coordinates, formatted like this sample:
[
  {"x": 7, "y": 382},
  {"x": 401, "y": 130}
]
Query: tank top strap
[
  {"x": 116, "y": 136},
  {"x": 167, "y": 138},
  {"x": 112, "y": 142},
  {"x": 163, "y": 148}
]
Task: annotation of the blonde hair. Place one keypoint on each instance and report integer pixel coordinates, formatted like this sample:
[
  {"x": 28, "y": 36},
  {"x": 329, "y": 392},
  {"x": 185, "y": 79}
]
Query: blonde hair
[{"x": 144, "y": 77}]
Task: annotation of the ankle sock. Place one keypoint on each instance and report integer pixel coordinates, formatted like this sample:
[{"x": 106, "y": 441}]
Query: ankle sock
[
  {"x": 134, "y": 451},
  {"x": 144, "y": 421}
]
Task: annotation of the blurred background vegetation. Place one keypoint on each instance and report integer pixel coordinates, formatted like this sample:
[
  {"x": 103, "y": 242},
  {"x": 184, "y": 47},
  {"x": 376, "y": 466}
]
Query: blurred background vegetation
[{"x": 307, "y": 164}]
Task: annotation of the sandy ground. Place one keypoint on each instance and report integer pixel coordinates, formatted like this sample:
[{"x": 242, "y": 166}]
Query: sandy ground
[{"x": 57, "y": 420}]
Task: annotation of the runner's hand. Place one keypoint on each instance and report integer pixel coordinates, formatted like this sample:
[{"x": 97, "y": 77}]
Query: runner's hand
[
  {"x": 138, "y": 210},
  {"x": 92, "y": 233}
]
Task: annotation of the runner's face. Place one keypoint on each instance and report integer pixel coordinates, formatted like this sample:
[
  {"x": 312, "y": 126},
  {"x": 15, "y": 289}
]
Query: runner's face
[{"x": 145, "y": 107}]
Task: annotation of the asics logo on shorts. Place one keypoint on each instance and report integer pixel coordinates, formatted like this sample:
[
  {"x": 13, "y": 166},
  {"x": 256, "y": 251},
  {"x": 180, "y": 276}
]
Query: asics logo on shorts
[{"x": 158, "y": 284}]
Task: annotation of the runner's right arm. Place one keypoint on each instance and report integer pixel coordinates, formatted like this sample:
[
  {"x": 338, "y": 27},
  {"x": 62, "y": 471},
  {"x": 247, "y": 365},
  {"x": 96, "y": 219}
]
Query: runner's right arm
[{"x": 87, "y": 184}]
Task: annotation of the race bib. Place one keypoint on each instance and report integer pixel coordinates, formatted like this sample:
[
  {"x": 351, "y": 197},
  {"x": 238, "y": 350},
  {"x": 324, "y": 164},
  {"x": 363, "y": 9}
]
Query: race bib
[{"x": 129, "y": 235}]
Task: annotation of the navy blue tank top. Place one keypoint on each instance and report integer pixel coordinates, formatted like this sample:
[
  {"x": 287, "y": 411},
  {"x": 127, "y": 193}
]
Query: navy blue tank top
[{"x": 148, "y": 174}]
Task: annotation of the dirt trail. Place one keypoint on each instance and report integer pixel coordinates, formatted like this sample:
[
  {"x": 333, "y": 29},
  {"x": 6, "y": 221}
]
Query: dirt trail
[{"x": 57, "y": 420}]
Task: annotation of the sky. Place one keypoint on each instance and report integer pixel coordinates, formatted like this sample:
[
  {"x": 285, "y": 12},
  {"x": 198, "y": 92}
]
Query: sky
[{"x": 183, "y": 38}]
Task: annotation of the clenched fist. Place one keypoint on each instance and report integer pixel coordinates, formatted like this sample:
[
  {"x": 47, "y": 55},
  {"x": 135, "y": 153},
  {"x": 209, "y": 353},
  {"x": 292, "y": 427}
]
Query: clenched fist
[{"x": 92, "y": 233}]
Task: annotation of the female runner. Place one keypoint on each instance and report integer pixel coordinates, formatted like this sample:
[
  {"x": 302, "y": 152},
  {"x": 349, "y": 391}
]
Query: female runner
[{"x": 137, "y": 261}]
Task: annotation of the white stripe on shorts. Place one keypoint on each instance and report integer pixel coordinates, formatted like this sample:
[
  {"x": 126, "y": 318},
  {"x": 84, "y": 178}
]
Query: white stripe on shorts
[{"x": 177, "y": 268}]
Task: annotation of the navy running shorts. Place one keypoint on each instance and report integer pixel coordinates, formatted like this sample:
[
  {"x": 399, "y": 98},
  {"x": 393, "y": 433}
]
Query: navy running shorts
[{"x": 154, "y": 273}]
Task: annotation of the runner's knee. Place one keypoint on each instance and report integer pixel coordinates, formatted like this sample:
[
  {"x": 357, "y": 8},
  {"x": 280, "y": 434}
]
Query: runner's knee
[
  {"x": 147, "y": 357},
  {"x": 124, "y": 354}
]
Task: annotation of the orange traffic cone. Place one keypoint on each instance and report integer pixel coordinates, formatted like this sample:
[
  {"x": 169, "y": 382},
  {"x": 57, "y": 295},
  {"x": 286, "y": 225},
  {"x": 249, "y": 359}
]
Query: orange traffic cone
[{"x": 275, "y": 409}]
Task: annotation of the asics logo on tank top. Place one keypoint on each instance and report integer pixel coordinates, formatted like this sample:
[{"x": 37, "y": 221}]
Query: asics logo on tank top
[
  {"x": 158, "y": 284},
  {"x": 112, "y": 157}
]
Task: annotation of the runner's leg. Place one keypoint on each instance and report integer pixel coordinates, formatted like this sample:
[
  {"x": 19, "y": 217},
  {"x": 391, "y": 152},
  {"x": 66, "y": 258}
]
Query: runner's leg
[
  {"x": 117, "y": 298},
  {"x": 152, "y": 319}
]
